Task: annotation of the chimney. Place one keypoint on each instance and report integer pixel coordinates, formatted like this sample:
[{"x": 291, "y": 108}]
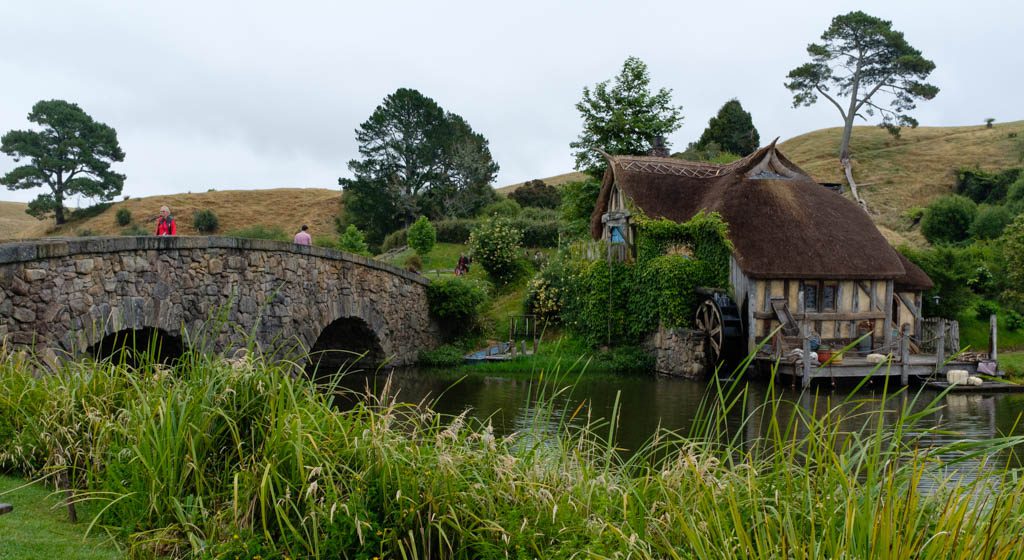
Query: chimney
[{"x": 658, "y": 147}]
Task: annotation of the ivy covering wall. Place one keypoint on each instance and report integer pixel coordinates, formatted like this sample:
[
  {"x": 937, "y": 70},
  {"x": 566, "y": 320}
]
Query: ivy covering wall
[{"x": 621, "y": 302}]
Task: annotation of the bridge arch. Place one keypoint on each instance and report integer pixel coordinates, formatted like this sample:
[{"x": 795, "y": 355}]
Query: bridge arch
[{"x": 68, "y": 295}]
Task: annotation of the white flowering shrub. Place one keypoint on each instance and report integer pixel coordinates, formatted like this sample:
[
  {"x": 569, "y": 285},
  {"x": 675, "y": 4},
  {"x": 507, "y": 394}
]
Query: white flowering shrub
[{"x": 496, "y": 244}]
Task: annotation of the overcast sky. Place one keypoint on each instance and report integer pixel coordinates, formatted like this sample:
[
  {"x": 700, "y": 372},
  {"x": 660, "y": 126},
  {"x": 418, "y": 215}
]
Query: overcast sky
[{"x": 268, "y": 94}]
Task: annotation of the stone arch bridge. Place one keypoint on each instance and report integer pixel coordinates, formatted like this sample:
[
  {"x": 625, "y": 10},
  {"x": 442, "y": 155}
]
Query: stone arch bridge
[{"x": 67, "y": 297}]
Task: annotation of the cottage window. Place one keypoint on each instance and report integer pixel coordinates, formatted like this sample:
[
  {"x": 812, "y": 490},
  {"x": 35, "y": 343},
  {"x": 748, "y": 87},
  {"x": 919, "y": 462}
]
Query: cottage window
[
  {"x": 810, "y": 293},
  {"x": 616, "y": 235},
  {"x": 828, "y": 296},
  {"x": 820, "y": 296}
]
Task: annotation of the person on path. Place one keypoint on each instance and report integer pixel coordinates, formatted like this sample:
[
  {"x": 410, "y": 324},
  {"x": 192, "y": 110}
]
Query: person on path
[
  {"x": 303, "y": 237},
  {"x": 165, "y": 223}
]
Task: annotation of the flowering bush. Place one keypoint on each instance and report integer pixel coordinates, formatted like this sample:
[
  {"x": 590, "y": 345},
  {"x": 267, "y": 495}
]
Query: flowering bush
[{"x": 495, "y": 244}]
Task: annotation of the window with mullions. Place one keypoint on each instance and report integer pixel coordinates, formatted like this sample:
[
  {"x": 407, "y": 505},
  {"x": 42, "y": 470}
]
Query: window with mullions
[{"x": 820, "y": 296}]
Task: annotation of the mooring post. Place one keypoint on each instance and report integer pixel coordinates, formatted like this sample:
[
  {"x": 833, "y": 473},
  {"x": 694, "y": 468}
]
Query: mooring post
[
  {"x": 940, "y": 346},
  {"x": 806, "y": 336},
  {"x": 904, "y": 354},
  {"x": 993, "y": 332}
]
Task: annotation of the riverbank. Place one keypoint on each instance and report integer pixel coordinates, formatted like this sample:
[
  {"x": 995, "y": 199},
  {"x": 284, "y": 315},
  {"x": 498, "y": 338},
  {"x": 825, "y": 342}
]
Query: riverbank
[{"x": 217, "y": 459}]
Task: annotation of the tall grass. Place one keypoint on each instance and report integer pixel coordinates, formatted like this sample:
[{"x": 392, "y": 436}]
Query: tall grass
[{"x": 218, "y": 458}]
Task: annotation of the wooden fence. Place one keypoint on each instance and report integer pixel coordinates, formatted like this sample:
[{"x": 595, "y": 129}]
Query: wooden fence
[{"x": 930, "y": 334}]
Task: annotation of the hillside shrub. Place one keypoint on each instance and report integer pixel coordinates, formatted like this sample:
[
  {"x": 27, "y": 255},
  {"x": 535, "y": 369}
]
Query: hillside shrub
[
  {"x": 456, "y": 302},
  {"x": 1014, "y": 320},
  {"x": 205, "y": 221},
  {"x": 990, "y": 222},
  {"x": 985, "y": 308},
  {"x": 414, "y": 263},
  {"x": 89, "y": 211},
  {"x": 422, "y": 236},
  {"x": 505, "y": 208},
  {"x": 536, "y": 194},
  {"x": 259, "y": 231},
  {"x": 136, "y": 230},
  {"x": 985, "y": 186},
  {"x": 496, "y": 245},
  {"x": 123, "y": 216},
  {"x": 1015, "y": 193},
  {"x": 394, "y": 240},
  {"x": 454, "y": 231},
  {"x": 538, "y": 234},
  {"x": 951, "y": 269},
  {"x": 353, "y": 241},
  {"x": 949, "y": 219},
  {"x": 1013, "y": 251}
]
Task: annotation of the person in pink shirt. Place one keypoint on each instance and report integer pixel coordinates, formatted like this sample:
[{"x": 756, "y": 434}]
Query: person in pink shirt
[{"x": 303, "y": 237}]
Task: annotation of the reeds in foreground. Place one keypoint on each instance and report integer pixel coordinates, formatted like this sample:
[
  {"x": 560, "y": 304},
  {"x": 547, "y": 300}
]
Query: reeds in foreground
[{"x": 213, "y": 458}]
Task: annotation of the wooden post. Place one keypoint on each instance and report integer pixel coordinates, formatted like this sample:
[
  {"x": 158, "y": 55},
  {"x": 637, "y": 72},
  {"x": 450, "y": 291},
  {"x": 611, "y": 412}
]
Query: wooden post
[
  {"x": 751, "y": 323},
  {"x": 805, "y": 334},
  {"x": 904, "y": 354},
  {"x": 887, "y": 335},
  {"x": 993, "y": 331},
  {"x": 940, "y": 345}
]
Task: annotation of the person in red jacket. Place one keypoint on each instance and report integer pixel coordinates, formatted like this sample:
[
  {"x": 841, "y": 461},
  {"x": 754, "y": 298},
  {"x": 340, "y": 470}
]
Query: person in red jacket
[{"x": 165, "y": 223}]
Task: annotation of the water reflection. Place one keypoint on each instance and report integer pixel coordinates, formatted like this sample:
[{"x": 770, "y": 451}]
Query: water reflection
[{"x": 647, "y": 404}]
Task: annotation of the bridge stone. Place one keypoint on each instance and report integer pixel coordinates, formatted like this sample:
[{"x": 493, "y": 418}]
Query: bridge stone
[{"x": 67, "y": 294}]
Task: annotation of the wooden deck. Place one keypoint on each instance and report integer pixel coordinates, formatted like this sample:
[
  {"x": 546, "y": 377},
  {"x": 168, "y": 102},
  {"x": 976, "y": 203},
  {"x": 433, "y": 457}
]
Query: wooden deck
[{"x": 918, "y": 366}]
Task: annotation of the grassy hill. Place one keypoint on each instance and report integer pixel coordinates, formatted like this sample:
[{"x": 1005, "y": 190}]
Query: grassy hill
[
  {"x": 14, "y": 222},
  {"x": 287, "y": 209},
  {"x": 912, "y": 170}
]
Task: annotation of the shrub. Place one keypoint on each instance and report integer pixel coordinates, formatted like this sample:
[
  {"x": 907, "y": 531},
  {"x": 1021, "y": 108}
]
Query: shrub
[
  {"x": 123, "y": 217},
  {"x": 456, "y": 302},
  {"x": 985, "y": 308},
  {"x": 352, "y": 240},
  {"x": 454, "y": 231},
  {"x": 205, "y": 221},
  {"x": 89, "y": 211},
  {"x": 628, "y": 359},
  {"x": 394, "y": 240},
  {"x": 414, "y": 263},
  {"x": 990, "y": 222},
  {"x": 496, "y": 244},
  {"x": 538, "y": 234},
  {"x": 545, "y": 293},
  {"x": 914, "y": 215},
  {"x": 1015, "y": 193},
  {"x": 422, "y": 236},
  {"x": 1014, "y": 320},
  {"x": 950, "y": 270},
  {"x": 536, "y": 194},
  {"x": 259, "y": 231},
  {"x": 445, "y": 355},
  {"x": 949, "y": 219},
  {"x": 135, "y": 230},
  {"x": 86, "y": 232},
  {"x": 505, "y": 207},
  {"x": 984, "y": 186},
  {"x": 578, "y": 201}
]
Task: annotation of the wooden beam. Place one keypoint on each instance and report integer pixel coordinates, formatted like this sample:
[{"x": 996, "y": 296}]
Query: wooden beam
[
  {"x": 870, "y": 291},
  {"x": 993, "y": 346},
  {"x": 904, "y": 355},
  {"x": 940, "y": 346},
  {"x": 827, "y": 316},
  {"x": 805, "y": 335},
  {"x": 910, "y": 305}
]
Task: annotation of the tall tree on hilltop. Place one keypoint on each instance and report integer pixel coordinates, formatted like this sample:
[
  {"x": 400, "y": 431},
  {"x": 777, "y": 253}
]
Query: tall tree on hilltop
[
  {"x": 732, "y": 129},
  {"x": 71, "y": 155},
  {"x": 861, "y": 59},
  {"x": 417, "y": 159},
  {"x": 623, "y": 117}
]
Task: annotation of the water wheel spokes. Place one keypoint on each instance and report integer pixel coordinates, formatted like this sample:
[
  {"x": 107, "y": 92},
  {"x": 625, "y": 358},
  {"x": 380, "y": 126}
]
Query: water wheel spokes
[{"x": 709, "y": 320}]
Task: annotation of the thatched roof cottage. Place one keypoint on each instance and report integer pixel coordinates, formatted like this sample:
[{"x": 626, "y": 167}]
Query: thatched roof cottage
[{"x": 803, "y": 254}]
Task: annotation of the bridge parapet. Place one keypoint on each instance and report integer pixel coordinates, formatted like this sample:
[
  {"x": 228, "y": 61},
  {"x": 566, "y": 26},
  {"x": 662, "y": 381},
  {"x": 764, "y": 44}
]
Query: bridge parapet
[{"x": 65, "y": 295}]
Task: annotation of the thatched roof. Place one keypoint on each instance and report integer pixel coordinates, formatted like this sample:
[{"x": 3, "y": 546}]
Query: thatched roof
[
  {"x": 915, "y": 279},
  {"x": 781, "y": 222}
]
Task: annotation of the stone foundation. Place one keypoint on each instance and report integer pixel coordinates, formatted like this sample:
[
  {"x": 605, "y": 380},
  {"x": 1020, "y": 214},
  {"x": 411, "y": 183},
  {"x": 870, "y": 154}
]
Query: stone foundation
[{"x": 678, "y": 352}]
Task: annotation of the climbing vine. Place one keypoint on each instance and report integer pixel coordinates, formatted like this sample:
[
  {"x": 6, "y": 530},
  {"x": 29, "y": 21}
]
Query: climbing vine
[{"x": 622, "y": 302}]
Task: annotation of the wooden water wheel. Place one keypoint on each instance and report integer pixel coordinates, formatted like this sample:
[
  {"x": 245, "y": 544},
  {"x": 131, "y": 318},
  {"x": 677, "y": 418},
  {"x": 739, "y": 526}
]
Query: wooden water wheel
[{"x": 719, "y": 319}]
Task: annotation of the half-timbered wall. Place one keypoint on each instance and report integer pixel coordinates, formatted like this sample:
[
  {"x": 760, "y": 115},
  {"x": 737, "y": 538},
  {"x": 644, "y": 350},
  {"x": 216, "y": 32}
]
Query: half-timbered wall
[{"x": 850, "y": 303}]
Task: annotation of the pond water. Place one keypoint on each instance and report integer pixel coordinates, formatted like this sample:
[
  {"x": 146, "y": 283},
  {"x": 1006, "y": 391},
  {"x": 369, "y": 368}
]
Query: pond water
[{"x": 646, "y": 403}]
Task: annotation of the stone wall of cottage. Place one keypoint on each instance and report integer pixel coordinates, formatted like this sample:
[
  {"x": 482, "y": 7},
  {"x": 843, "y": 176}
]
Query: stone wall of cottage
[
  {"x": 678, "y": 352},
  {"x": 62, "y": 296}
]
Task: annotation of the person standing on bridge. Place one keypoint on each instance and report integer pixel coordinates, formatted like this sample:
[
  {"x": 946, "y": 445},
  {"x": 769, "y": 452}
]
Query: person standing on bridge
[
  {"x": 165, "y": 223},
  {"x": 303, "y": 237}
]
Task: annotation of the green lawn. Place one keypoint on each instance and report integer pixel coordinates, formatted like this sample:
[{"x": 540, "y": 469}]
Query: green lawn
[
  {"x": 38, "y": 527},
  {"x": 1012, "y": 363},
  {"x": 974, "y": 331}
]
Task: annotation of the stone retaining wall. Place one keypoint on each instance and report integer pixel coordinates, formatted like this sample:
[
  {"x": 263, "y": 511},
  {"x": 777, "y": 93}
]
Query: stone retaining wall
[{"x": 678, "y": 352}]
